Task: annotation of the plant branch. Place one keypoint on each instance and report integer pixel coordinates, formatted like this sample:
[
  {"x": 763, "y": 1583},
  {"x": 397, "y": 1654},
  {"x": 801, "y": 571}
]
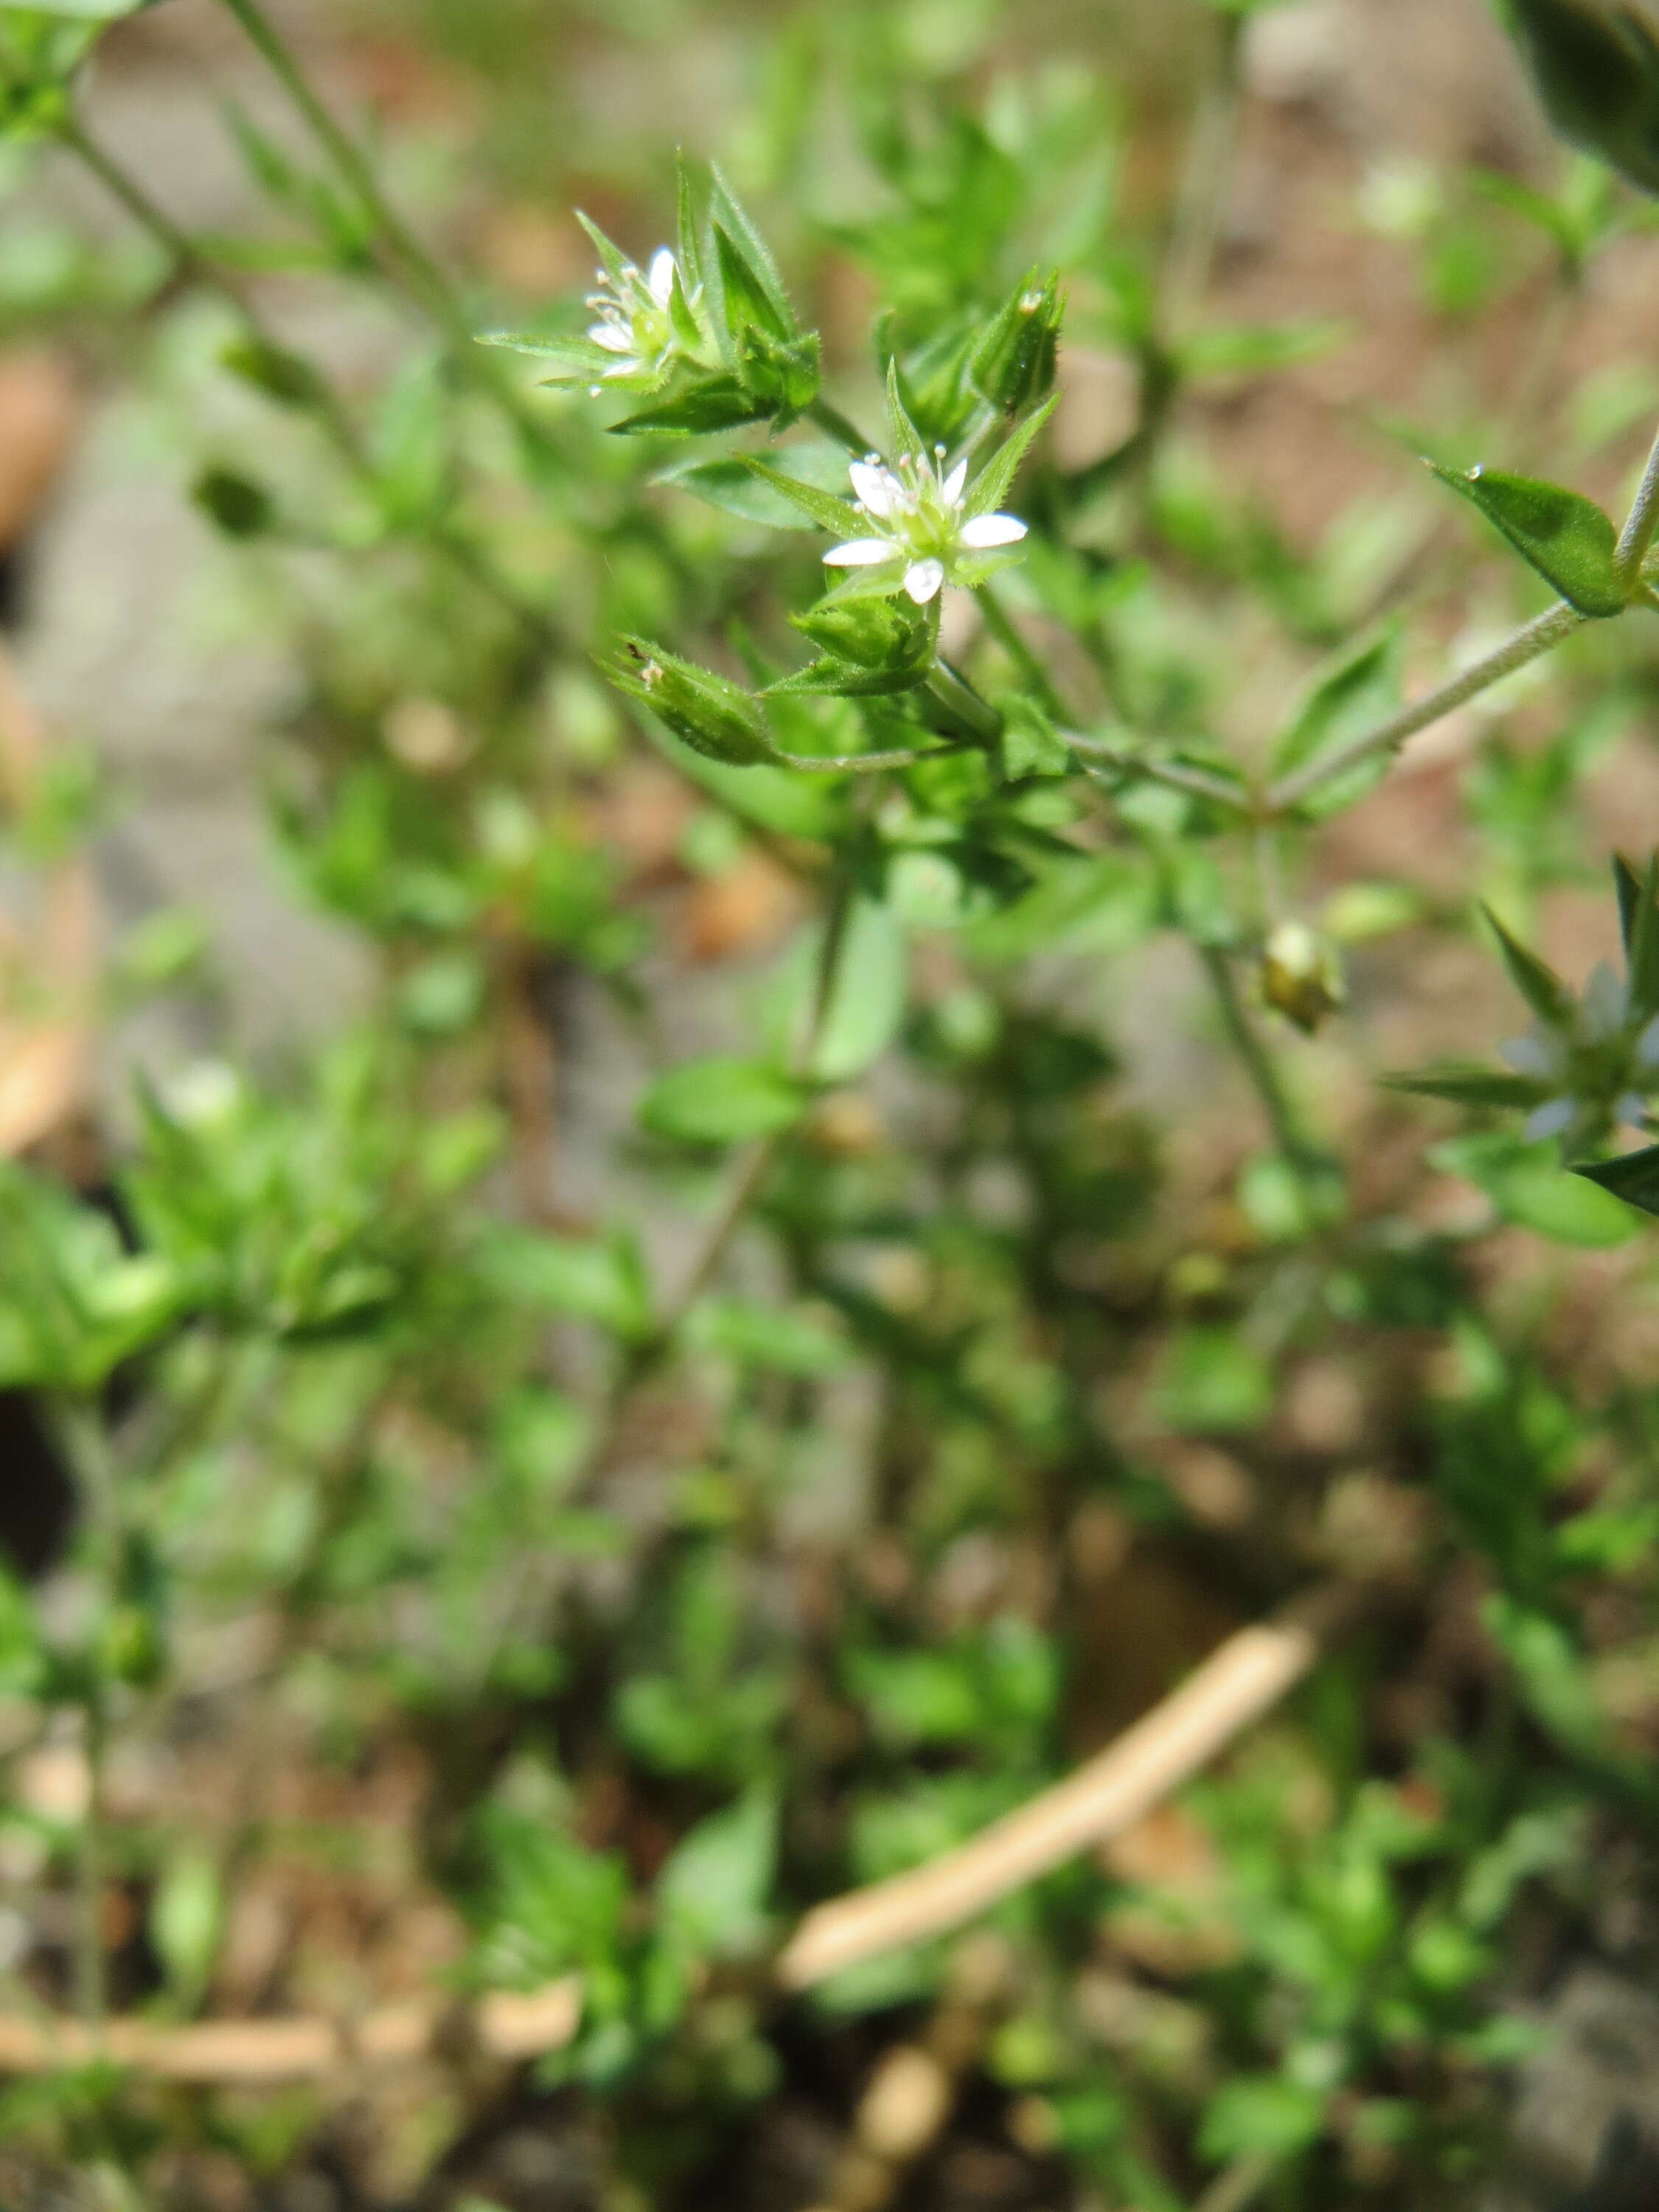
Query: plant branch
[
  {"x": 436, "y": 293},
  {"x": 830, "y": 420},
  {"x": 1204, "y": 194},
  {"x": 1131, "y": 760},
  {"x": 1637, "y": 535},
  {"x": 1528, "y": 644},
  {"x": 322, "y": 401},
  {"x": 1258, "y": 1063},
  {"x": 864, "y": 763}
]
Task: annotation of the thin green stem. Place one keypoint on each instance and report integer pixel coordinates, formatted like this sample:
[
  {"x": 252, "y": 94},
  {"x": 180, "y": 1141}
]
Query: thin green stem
[
  {"x": 433, "y": 288},
  {"x": 835, "y": 424},
  {"x": 975, "y": 716},
  {"x": 1132, "y": 760},
  {"x": 865, "y": 764},
  {"x": 80, "y": 1432},
  {"x": 1205, "y": 188},
  {"x": 1528, "y": 644},
  {"x": 1636, "y": 539},
  {"x": 1019, "y": 649},
  {"x": 1258, "y": 1064},
  {"x": 321, "y": 400},
  {"x": 733, "y": 1210}
]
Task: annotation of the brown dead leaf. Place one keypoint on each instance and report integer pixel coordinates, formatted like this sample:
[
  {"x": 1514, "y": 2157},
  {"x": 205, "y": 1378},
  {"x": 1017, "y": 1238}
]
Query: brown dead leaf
[
  {"x": 39, "y": 415},
  {"x": 744, "y": 910}
]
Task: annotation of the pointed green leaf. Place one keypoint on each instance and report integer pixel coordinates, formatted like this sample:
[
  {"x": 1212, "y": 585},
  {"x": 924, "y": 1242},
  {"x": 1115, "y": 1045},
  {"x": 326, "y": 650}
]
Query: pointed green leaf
[
  {"x": 1644, "y": 942},
  {"x": 1538, "y": 983},
  {"x": 994, "y": 481},
  {"x": 1465, "y": 1084},
  {"x": 566, "y": 350},
  {"x": 1635, "y": 1178},
  {"x": 615, "y": 262},
  {"x": 1360, "y": 694},
  {"x": 728, "y": 213},
  {"x": 90, "y": 11},
  {"x": 1565, "y": 538},
  {"x": 720, "y": 403},
  {"x": 902, "y": 433},
  {"x": 722, "y": 1102},
  {"x": 838, "y": 516},
  {"x": 746, "y": 301},
  {"x": 688, "y": 253}
]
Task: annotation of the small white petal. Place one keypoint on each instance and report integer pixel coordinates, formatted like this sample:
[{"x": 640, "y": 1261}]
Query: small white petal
[
  {"x": 924, "y": 581},
  {"x": 987, "y": 530},
  {"x": 955, "y": 484},
  {"x": 613, "y": 340},
  {"x": 1552, "y": 1120},
  {"x": 861, "y": 553},
  {"x": 630, "y": 367},
  {"x": 1531, "y": 1055},
  {"x": 1607, "y": 1002},
  {"x": 874, "y": 487},
  {"x": 661, "y": 279}
]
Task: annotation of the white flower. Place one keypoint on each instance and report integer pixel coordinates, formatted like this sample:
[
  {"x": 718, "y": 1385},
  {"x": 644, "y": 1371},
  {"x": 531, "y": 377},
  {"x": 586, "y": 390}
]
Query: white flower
[
  {"x": 917, "y": 513},
  {"x": 1595, "y": 1059},
  {"x": 635, "y": 317}
]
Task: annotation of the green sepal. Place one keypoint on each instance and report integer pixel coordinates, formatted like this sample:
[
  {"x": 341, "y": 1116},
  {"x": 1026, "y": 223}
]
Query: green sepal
[
  {"x": 781, "y": 375},
  {"x": 827, "y": 678},
  {"x": 1564, "y": 536},
  {"x": 1538, "y": 983},
  {"x": 1634, "y": 1177},
  {"x": 994, "y": 481},
  {"x": 873, "y": 633}
]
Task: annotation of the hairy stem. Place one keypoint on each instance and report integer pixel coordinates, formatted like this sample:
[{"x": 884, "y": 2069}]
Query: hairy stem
[
  {"x": 1528, "y": 644},
  {"x": 1637, "y": 536},
  {"x": 865, "y": 764},
  {"x": 1131, "y": 760}
]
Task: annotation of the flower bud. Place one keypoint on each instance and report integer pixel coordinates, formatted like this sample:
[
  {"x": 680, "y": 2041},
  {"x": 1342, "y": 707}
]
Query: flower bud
[
  {"x": 713, "y": 715},
  {"x": 1014, "y": 363},
  {"x": 1596, "y": 63},
  {"x": 1300, "y": 976}
]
